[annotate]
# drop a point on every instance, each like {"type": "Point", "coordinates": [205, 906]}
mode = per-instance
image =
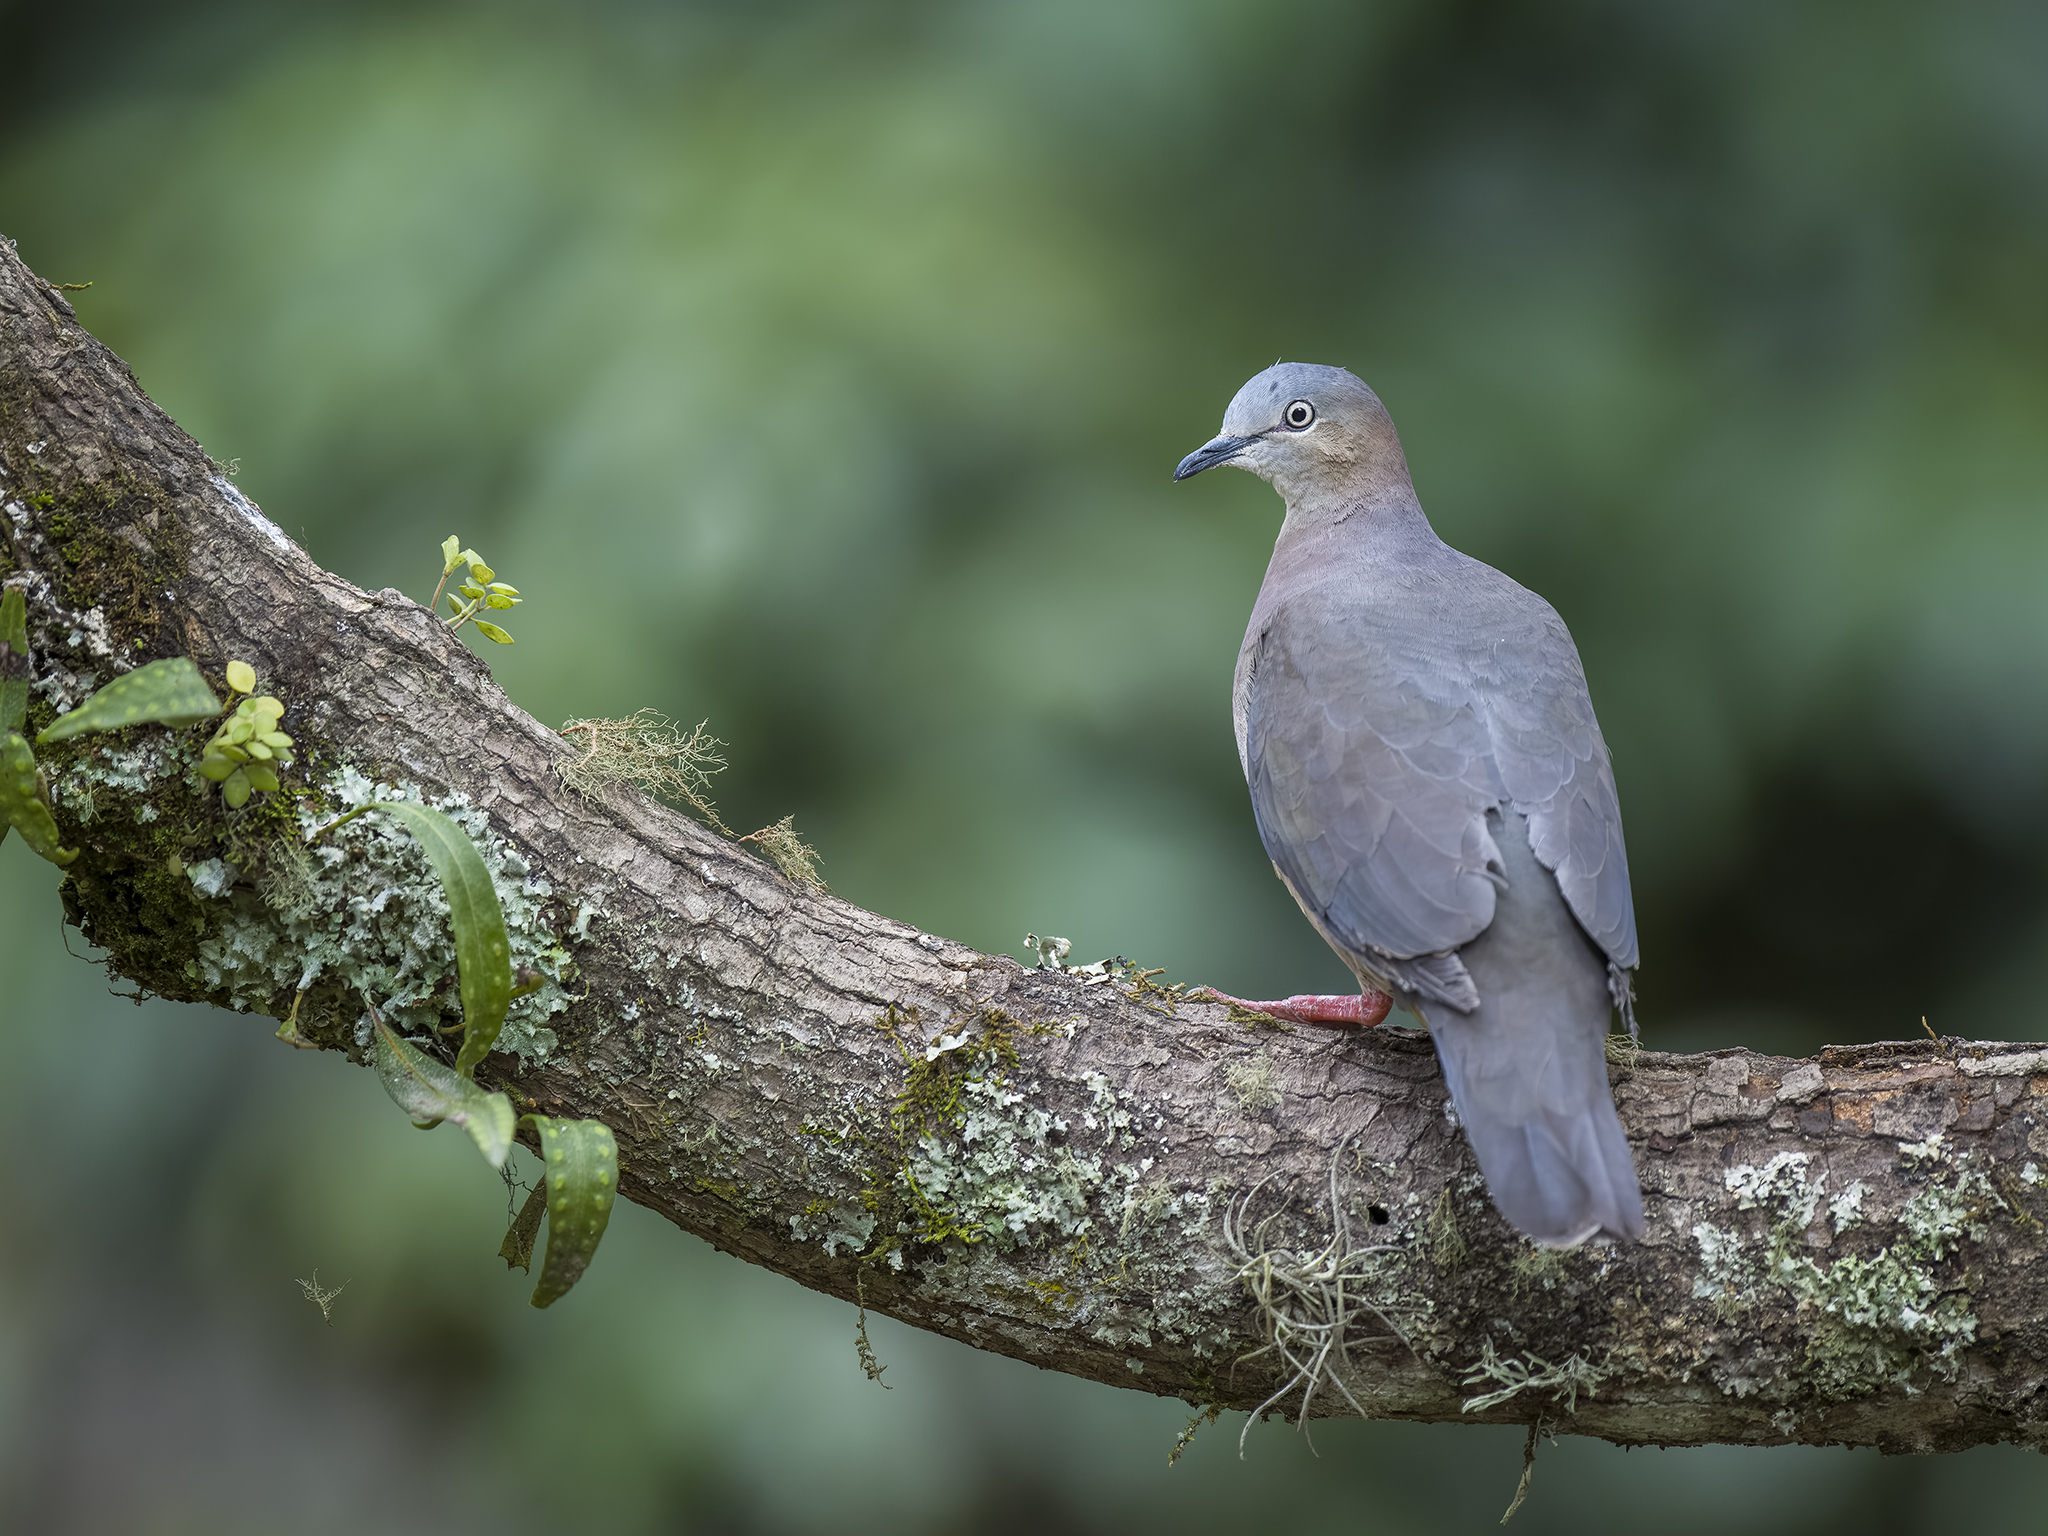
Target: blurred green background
{"type": "Point", "coordinates": [819, 370]}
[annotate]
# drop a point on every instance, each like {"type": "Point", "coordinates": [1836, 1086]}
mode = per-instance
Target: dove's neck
{"type": "Point", "coordinates": [1363, 522]}
{"type": "Point", "coordinates": [1363, 549]}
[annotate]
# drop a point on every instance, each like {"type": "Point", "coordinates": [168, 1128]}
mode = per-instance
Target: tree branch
{"type": "Point", "coordinates": [1079, 1171]}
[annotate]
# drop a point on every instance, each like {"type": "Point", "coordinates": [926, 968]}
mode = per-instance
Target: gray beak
{"type": "Point", "coordinates": [1219, 450]}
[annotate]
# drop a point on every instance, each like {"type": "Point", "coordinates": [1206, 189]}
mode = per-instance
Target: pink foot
{"type": "Point", "coordinates": [1336, 1011]}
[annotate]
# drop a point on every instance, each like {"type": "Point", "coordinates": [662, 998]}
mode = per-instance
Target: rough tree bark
{"type": "Point", "coordinates": [1075, 1171]}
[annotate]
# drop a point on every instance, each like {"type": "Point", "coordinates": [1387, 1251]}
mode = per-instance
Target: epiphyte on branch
{"type": "Point", "coordinates": [481, 590]}
{"type": "Point", "coordinates": [248, 749]}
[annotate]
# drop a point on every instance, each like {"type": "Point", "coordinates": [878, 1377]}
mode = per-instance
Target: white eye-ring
{"type": "Point", "coordinates": [1299, 414]}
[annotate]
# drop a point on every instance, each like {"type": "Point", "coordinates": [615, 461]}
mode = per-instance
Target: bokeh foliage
{"type": "Point", "coordinates": [830, 363]}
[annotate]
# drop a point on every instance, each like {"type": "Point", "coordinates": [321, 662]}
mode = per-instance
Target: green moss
{"type": "Point", "coordinates": [124, 577]}
{"type": "Point", "coordinates": [119, 539]}
{"type": "Point", "coordinates": [137, 900]}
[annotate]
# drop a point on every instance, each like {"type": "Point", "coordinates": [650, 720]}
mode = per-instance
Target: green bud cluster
{"type": "Point", "coordinates": [248, 749]}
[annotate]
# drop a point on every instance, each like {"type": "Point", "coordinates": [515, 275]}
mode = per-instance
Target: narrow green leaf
{"type": "Point", "coordinates": [483, 954]}
{"type": "Point", "coordinates": [14, 672]}
{"type": "Point", "coordinates": [169, 692]}
{"type": "Point", "coordinates": [517, 1249]}
{"type": "Point", "coordinates": [25, 803]}
{"type": "Point", "coordinates": [580, 1172]}
{"type": "Point", "coordinates": [451, 554]}
{"type": "Point", "coordinates": [492, 632]}
{"type": "Point", "coordinates": [431, 1092]}
{"type": "Point", "coordinates": [241, 677]}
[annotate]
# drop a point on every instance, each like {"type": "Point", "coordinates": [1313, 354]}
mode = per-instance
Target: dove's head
{"type": "Point", "coordinates": [1318, 434]}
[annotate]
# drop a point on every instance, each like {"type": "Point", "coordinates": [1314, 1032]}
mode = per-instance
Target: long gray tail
{"type": "Point", "coordinates": [1528, 1068]}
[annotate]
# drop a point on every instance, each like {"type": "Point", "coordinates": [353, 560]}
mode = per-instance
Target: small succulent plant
{"type": "Point", "coordinates": [248, 749]}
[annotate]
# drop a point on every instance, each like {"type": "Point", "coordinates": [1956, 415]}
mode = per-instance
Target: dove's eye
{"type": "Point", "coordinates": [1298, 414]}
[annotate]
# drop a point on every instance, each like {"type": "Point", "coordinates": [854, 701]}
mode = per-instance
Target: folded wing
{"type": "Point", "coordinates": [1373, 758]}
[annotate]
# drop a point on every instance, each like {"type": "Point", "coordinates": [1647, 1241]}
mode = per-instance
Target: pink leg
{"type": "Point", "coordinates": [1337, 1011]}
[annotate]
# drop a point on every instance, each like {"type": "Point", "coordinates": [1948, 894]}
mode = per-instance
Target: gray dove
{"type": "Point", "coordinates": [1432, 787]}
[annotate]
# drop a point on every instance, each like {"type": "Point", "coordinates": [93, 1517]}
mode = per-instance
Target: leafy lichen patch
{"type": "Point", "coordinates": [283, 927]}
{"type": "Point", "coordinates": [977, 1192]}
{"type": "Point", "coordinates": [996, 1175]}
{"type": "Point", "coordinates": [1875, 1318]}
{"type": "Point", "coordinates": [364, 914]}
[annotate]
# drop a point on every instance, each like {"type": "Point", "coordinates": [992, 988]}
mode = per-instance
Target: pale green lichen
{"type": "Point", "coordinates": [1106, 1111]}
{"type": "Point", "coordinates": [210, 877]}
{"type": "Point", "coordinates": [1877, 1318]}
{"type": "Point", "coordinates": [646, 751]}
{"type": "Point", "coordinates": [366, 908]}
{"type": "Point", "coordinates": [134, 768]}
{"type": "Point", "coordinates": [1846, 1209]}
{"type": "Point", "coordinates": [265, 917]}
{"type": "Point", "coordinates": [1145, 1205]}
{"type": "Point", "coordinates": [994, 1201]}
{"type": "Point", "coordinates": [797, 859]}
{"type": "Point", "coordinates": [998, 1173]}
{"type": "Point", "coordinates": [288, 882]}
